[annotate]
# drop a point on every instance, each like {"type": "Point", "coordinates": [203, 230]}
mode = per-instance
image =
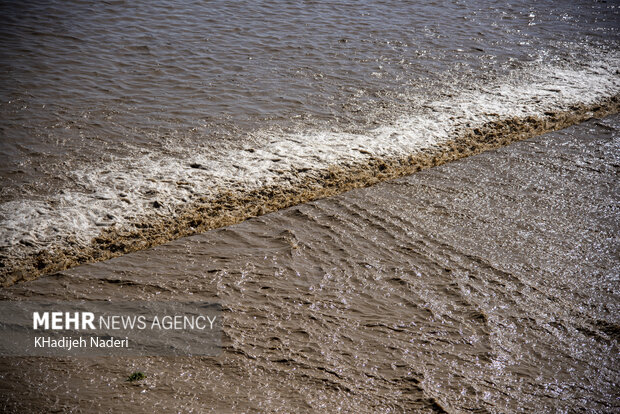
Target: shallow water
{"type": "Point", "coordinates": [110, 109]}
{"type": "Point", "coordinates": [487, 284]}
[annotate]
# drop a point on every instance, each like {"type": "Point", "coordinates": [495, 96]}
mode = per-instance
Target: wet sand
{"type": "Point", "coordinates": [489, 283]}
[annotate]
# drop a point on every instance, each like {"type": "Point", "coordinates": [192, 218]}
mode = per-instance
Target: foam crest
{"type": "Point", "coordinates": [149, 187]}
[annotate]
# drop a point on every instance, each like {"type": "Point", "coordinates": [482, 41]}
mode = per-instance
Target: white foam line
{"type": "Point", "coordinates": [28, 225]}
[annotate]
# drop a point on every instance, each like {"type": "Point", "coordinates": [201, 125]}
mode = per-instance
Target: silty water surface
{"type": "Point", "coordinates": [488, 285]}
{"type": "Point", "coordinates": [105, 107]}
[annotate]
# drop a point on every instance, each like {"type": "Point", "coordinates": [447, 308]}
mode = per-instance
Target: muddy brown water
{"type": "Point", "coordinates": [119, 119]}
{"type": "Point", "coordinates": [489, 284]}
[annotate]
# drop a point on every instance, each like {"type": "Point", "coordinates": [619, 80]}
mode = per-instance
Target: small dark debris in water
{"type": "Point", "coordinates": [195, 165]}
{"type": "Point", "coordinates": [136, 376]}
{"type": "Point", "coordinates": [157, 204]}
{"type": "Point", "coordinates": [343, 40]}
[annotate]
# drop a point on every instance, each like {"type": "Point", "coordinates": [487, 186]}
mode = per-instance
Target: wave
{"type": "Point", "coordinates": [144, 200]}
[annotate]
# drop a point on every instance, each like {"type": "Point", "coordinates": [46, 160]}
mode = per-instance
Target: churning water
{"type": "Point", "coordinates": [489, 284]}
{"type": "Point", "coordinates": [121, 120]}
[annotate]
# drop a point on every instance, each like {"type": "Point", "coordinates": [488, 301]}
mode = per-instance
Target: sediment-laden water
{"type": "Point", "coordinates": [489, 284]}
{"type": "Point", "coordinates": [124, 125]}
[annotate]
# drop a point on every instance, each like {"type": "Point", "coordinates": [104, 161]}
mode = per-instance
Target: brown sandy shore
{"type": "Point", "coordinates": [233, 207]}
{"type": "Point", "coordinates": [489, 284]}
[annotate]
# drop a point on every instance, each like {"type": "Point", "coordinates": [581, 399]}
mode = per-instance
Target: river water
{"type": "Point", "coordinates": [117, 114]}
{"type": "Point", "coordinates": [488, 285]}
